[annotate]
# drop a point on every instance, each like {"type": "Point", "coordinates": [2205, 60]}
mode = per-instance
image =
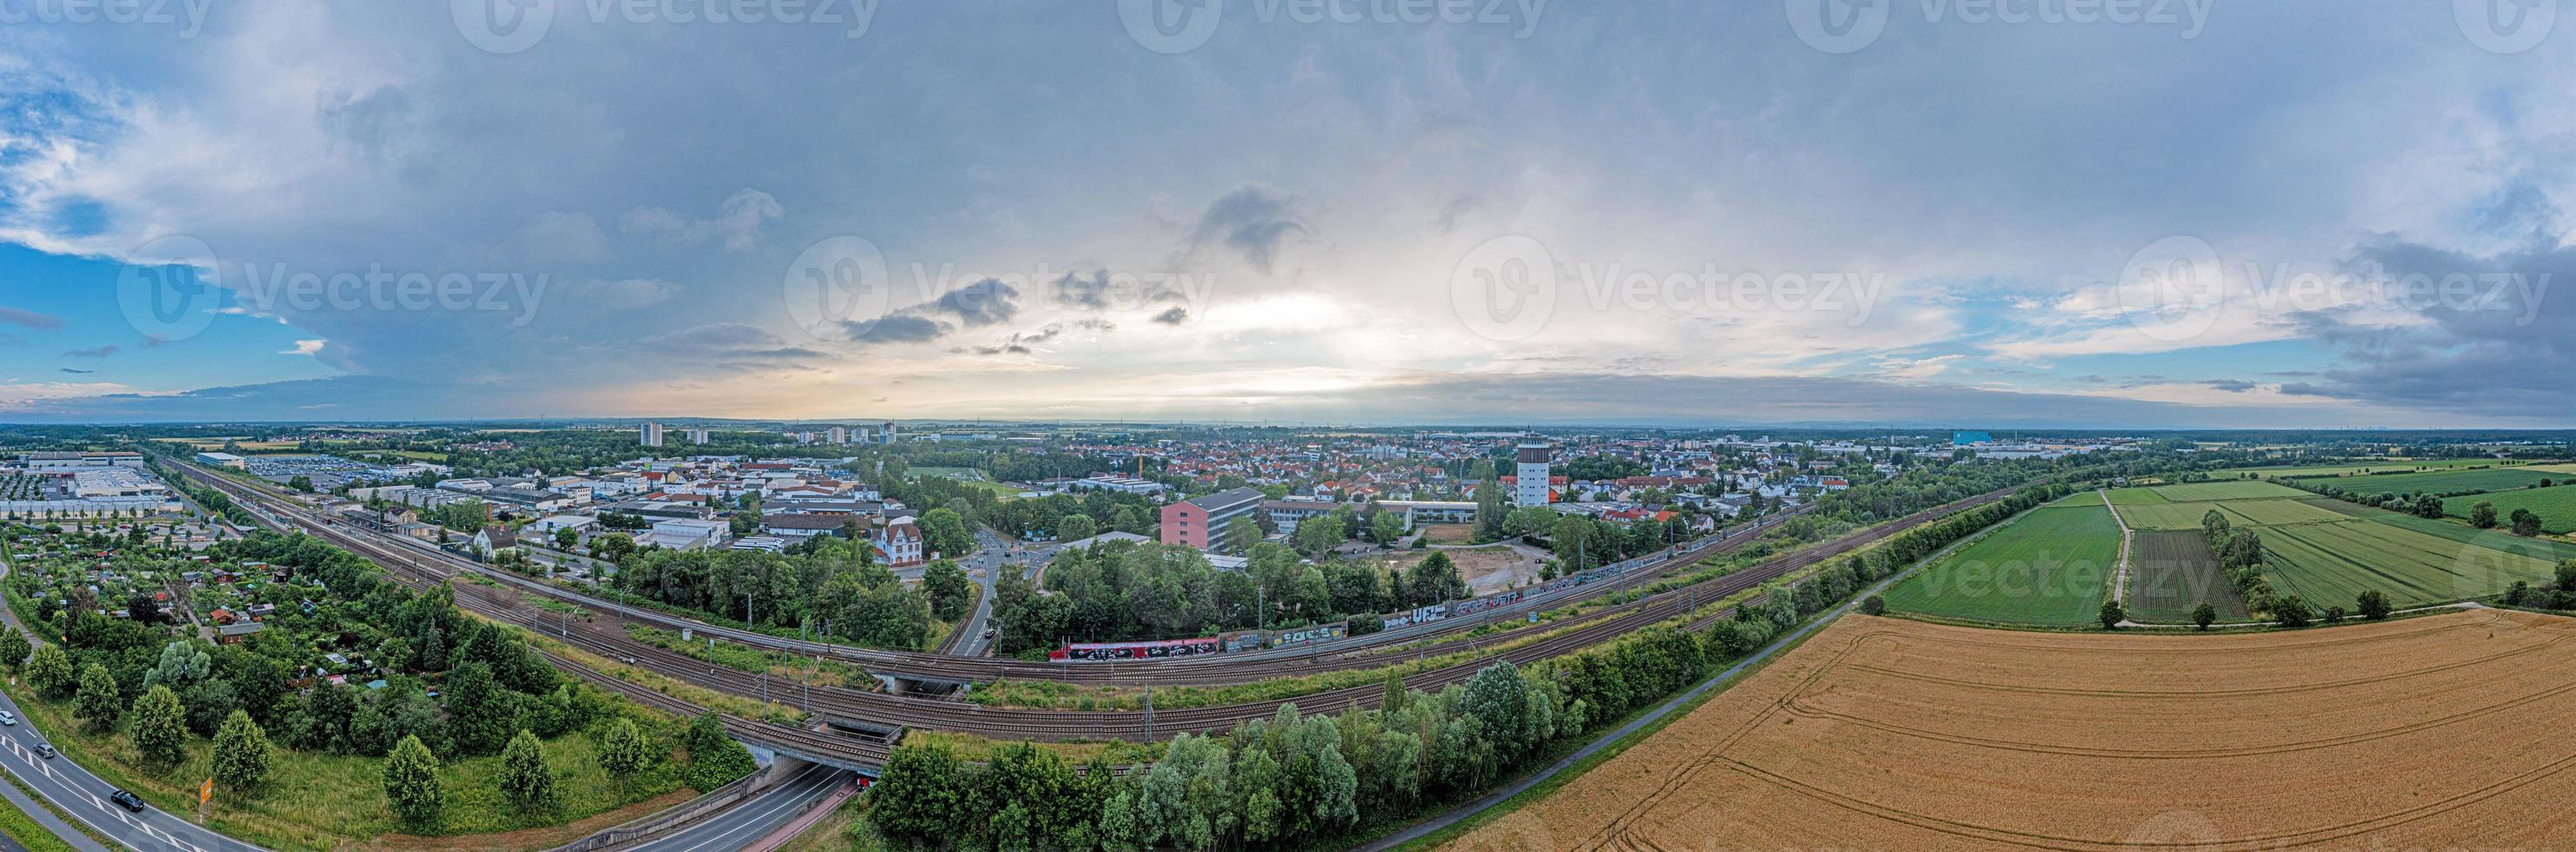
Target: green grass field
{"type": "Point", "coordinates": [2241, 489]}
{"type": "Point", "coordinates": [2455, 532]}
{"type": "Point", "coordinates": [2332, 564]}
{"type": "Point", "coordinates": [2050, 567]}
{"type": "Point", "coordinates": [2243, 513]}
{"type": "Point", "coordinates": [961, 474]}
{"type": "Point", "coordinates": [2380, 466]}
{"type": "Point", "coordinates": [2444, 482]}
{"type": "Point", "coordinates": [2080, 498]}
{"type": "Point", "coordinates": [2136, 497]}
{"type": "Point", "coordinates": [2556, 506]}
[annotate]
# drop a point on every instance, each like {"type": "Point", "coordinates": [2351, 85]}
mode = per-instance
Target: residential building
{"type": "Point", "coordinates": [900, 543]}
{"type": "Point", "coordinates": [1201, 521]}
{"type": "Point", "coordinates": [1530, 480]}
{"type": "Point", "coordinates": [652, 434]}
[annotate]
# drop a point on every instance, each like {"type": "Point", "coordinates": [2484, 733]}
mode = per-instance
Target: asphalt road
{"type": "Point", "coordinates": [990, 562]}
{"type": "Point", "coordinates": [752, 819]}
{"type": "Point", "coordinates": [84, 796]}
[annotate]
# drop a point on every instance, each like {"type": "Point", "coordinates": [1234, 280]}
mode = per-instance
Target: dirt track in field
{"type": "Point", "coordinates": [2437, 732]}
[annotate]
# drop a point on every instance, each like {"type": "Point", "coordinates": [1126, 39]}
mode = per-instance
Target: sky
{"type": "Point", "coordinates": [2171, 213]}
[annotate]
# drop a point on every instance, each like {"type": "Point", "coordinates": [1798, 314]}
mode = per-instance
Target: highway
{"type": "Point", "coordinates": [751, 819]}
{"type": "Point", "coordinates": [84, 796]}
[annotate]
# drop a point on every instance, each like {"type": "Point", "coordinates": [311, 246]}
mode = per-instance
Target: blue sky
{"type": "Point", "coordinates": [2240, 215]}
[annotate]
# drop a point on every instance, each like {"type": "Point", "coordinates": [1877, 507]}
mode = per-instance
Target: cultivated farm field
{"type": "Point", "coordinates": [2240, 489]}
{"type": "Point", "coordinates": [2332, 564]}
{"type": "Point", "coordinates": [1889, 734]}
{"type": "Point", "coordinates": [2172, 573]}
{"type": "Point", "coordinates": [2556, 506]}
{"type": "Point", "coordinates": [2457, 533]}
{"type": "Point", "coordinates": [2051, 566]}
{"type": "Point", "coordinates": [2243, 513]}
{"type": "Point", "coordinates": [2380, 466]}
{"type": "Point", "coordinates": [2444, 482]}
{"type": "Point", "coordinates": [2136, 497]}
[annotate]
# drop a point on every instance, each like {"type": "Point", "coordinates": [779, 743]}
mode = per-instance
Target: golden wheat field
{"type": "Point", "coordinates": [2440, 732]}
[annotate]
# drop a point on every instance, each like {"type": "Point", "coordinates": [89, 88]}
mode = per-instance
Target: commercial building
{"type": "Point", "coordinates": [1529, 483]}
{"type": "Point", "coordinates": [1199, 520]}
{"type": "Point", "coordinates": [222, 460]}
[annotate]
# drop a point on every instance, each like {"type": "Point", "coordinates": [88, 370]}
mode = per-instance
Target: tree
{"type": "Point", "coordinates": [241, 752]}
{"type": "Point", "coordinates": [2372, 605]}
{"type": "Point", "coordinates": [624, 750]}
{"type": "Point", "coordinates": [411, 783]}
{"type": "Point", "coordinates": [2112, 614]}
{"type": "Point", "coordinates": [1873, 605]}
{"type": "Point", "coordinates": [923, 792]}
{"type": "Point", "coordinates": [948, 588]}
{"type": "Point", "coordinates": [566, 537]}
{"type": "Point", "coordinates": [945, 532]}
{"type": "Point", "coordinates": [97, 700]}
{"type": "Point", "coordinates": [479, 711]}
{"type": "Point", "coordinates": [2525, 523]}
{"type": "Point", "coordinates": [1241, 535]}
{"type": "Point", "coordinates": [715, 758]}
{"type": "Point", "coordinates": [2483, 515]}
{"type": "Point", "coordinates": [1076, 527]}
{"type": "Point", "coordinates": [300, 482]}
{"type": "Point", "coordinates": [14, 648]}
{"type": "Point", "coordinates": [525, 778]}
{"type": "Point", "coordinates": [160, 726]}
{"type": "Point", "coordinates": [2290, 612]}
{"type": "Point", "coordinates": [49, 670]}
{"type": "Point", "coordinates": [1387, 526]}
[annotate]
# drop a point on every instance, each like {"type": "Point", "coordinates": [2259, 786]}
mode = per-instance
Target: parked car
{"type": "Point", "coordinates": [45, 750]}
{"type": "Point", "coordinates": [127, 800]}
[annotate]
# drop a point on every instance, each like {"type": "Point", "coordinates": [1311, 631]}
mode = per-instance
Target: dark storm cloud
{"type": "Point", "coordinates": [2499, 345]}
{"type": "Point", "coordinates": [1254, 221]}
{"type": "Point", "coordinates": [979, 304]}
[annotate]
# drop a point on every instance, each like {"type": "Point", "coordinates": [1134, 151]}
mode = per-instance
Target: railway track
{"type": "Point", "coordinates": [1368, 651]}
{"type": "Point", "coordinates": [891, 713]}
